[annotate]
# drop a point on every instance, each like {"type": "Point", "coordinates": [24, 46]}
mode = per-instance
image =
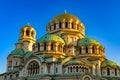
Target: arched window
{"type": "Point", "coordinates": [86, 49]}
{"type": "Point", "coordinates": [56, 69]}
{"type": "Point", "coordinates": [10, 76]}
{"type": "Point", "coordinates": [93, 49]}
{"type": "Point", "coordinates": [108, 71]}
{"type": "Point", "coordinates": [32, 33]}
{"type": "Point", "coordinates": [66, 24]}
{"type": "Point", "coordinates": [80, 50]}
{"type": "Point", "coordinates": [72, 25]}
{"type": "Point", "coordinates": [70, 69]}
{"type": "Point", "coordinates": [33, 68]}
{"type": "Point", "coordinates": [38, 46]}
{"type": "Point", "coordinates": [52, 46]}
{"type": "Point", "coordinates": [54, 26]}
{"type": "Point", "coordinates": [60, 24]}
{"type": "Point", "coordinates": [45, 46]}
{"type": "Point", "coordinates": [77, 69]}
{"type": "Point", "coordinates": [115, 72]}
{"type": "Point", "coordinates": [27, 32]}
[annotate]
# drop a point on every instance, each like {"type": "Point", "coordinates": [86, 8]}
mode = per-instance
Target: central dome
{"type": "Point", "coordinates": [65, 17]}
{"type": "Point", "coordinates": [67, 23]}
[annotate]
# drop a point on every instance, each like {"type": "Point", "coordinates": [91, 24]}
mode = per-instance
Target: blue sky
{"type": "Point", "coordinates": [100, 17]}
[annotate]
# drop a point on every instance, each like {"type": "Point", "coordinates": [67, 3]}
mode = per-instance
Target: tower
{"type": "Point", "coordinates": [27, 37]}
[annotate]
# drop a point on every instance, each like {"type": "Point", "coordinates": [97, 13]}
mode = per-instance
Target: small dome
{"type": "Point", "coordinates": [66, 17]}
{"type": "Point", "coordinates": [88, 41]}
{"type": "Point", "coordinates": [27, 26]}
{"type": "Point", "coordinates": [49, 38]}
{"type": "Point", "coordinates": [108, 63]}
{"type": "Point", "coordinates": [19, 52]}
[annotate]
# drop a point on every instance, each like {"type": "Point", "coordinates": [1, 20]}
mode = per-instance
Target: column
{"type": "Point", "coordinates": [49, 46]}
{"type": "Point", "coordinates": [93, 69]}
{"type": "Point", "coordinates": [90, 49]}
{"type": "Point", "coordinates": [98, 69]}
{"type": "Point", "coordinates": [56, 46]}
{"type": "Point", "coordinates": [97, 49]}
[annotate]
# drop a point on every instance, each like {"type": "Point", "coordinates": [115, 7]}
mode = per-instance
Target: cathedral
{"type": "Point", "coordinates": [63, 53]}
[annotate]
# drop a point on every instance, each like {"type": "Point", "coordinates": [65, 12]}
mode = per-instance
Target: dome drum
{"type": "Point", "coordinates": [91, 47]}
{"type": "Point", "coordinates": [50, 44]}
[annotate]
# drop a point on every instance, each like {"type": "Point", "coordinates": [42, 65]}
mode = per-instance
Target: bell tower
{"type": "Point", "coordinates": [27, 37]}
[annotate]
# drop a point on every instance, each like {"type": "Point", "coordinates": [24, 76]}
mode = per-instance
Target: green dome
{"type": "Point", "coordinates": [19, 52]}
{"type": "Point", "coordinates": [65, 16]}
{"type": "Point", "coordinates": [88, 41]}
{"type": "Point", "coordinates": [108, 63]}
{"type": "Point", "coordinates": [73, 62]}
{"type": "Point", "coordinates": [49, 38]}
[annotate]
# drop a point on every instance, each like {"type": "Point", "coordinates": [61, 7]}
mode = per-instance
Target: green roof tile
{"type": "Point", "coordinates": [41, 58]}
{"type": "Point", "coordinates": [88, 41]}
{"type": "Point", "coordinates": [27, 55]}
{"type": "Point", "coordinates": [73, 62]}
{"type": "Point", "coordinates": [19, 52]}
{"type": "Point", "coordinates": [108, 63]}
{"type": "Point", "coordinates": [49, 37]}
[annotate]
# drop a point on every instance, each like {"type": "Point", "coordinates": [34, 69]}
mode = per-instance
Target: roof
{"type": "Point", "coordinates": [73, 62]}
{"type": "Point", "coordinates": [65, 16]}
{"type": "Point", "coordinates": [41, 58]}
{"type": "Point", "coordinates": [108, 63]}
{"type": "Point", "coordinates": [88, 41]}
{"type": "Point", "coordinates": [48, 38]}
{"type": "Point", "coordinates": [27, 55]}
{"type": "Point", "coordinates": [19, 52]}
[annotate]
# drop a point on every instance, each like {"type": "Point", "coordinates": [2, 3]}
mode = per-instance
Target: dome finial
{"type": "Point", "coordinates": [28, 24]}
{"type": "Point", "coordinates": [65, 11]}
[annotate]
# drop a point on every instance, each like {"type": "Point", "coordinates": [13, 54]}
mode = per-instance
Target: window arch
{"type": "Point", "coordinates": [52, 46]}
{"type": "Point", "coordinates": [27, 33]}
{"type": "Point", "coordinates": [108, 71]}
{"type": "Point", "coordinates": [33, 68]}
{"type": "Point", "coordinates": [66, 24]}
{"type": "Point", "coordinates": [54, 26]}
{"type": "Point", "coordinates": [115, 72]}
{"type": "Point", "coordinates": [45, 46]}
{"type": "Point", "coordinates": [38, 46]}
{"type": "Point", "coordinates": [76, 68]}
{"type": "Point", "coordinates": [93, 49]}
{"type": "Point", "coordinates": [86, 49]}
{"type": "Point", "coordinates": [72, 25]}
{"type": "Point", "coordinates": [70, 69]}
{"type": "Point", "coordinates": [60, 24]}
{"type": "Point", "coordinates": [80, 50]}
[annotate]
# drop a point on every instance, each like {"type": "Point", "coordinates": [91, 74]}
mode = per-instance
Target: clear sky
{"type": "Point", "coordinates": [100, 17]}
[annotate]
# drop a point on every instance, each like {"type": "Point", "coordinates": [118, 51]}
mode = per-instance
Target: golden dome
{"type": "Point", "coordinates": [27, 33]}
{"type": "Point", "coordinates": [66, 17]}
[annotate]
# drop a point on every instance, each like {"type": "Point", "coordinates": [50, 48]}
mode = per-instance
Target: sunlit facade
{"type": "Point", "coordinates": [63, 53]}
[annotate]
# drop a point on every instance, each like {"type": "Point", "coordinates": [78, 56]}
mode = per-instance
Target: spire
{"type": "Point", "coordinates": [28, 24]}
{"type": "Point", "coordinates": [65, 11]}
